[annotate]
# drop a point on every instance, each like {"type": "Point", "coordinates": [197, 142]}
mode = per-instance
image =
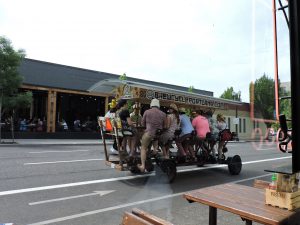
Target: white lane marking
{"type": "Point", "coordinates": [71, 184]}
{"type": "Point", "coordinates": [101, 193]}
{"type": "Point", "coordinates": [81, 160]}
{"type": "Point", "coordinates": [59, 151]}
{"type": "Point", "coordinates": [267, 160]}
{"type": "Point", "coordinates": [75, 216]}
{"type": "Point", "coordinates": [233, 145]}
{"type": "Point", "coordinates": [264, 149]}
{"type": "Point", "coordinates": [119, 178]}
{"type": "Point", "coordinates": [207, 166]}
{"type": "Point", "coordinates": [57, 220]}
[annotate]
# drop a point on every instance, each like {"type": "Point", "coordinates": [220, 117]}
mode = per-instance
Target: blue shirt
{"type": "Point", "coordinates": [185, 125]}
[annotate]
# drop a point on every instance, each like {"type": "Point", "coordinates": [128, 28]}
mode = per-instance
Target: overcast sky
{"type": "Point", "coordinates": [210, 45]}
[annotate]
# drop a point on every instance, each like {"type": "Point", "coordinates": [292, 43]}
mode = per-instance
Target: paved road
{"type": "Point", "coordinates": [69, 184]}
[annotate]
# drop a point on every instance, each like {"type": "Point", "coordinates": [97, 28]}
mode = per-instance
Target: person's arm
{"type": "Point", "coordinates": [139, 120]}
{"type": "Point", "coordinates": [168, 122]}
{"type": "Point", "coordinates": [194, 123]}
{"type": "Point", "coordinates": [129, 121]}
{"type": "Point", "coordinates": [143, 123]}
{"type": "Point", "coordinates": [220, 126]}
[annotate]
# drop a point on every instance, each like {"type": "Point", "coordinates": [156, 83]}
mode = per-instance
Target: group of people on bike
{"type": "Point", "coordinates": [175, 124]}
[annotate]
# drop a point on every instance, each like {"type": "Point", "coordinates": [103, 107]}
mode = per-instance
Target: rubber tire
{"type": "Point", "coordinates": [234, 165]}
{"type": "Point", "coordinates": [169, 168]}
{"type": "Point", "coordinates": [171, 171]}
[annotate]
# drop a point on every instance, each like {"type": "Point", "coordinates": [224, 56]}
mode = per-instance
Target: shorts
{"type": "Point", "coordinates": [146, 140]}
{"type": "Point", "coordinates": [165, 138]}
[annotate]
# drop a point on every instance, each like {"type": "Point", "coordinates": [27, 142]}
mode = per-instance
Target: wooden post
{"type": "Point", "coordinates": [248, 222]}
{"type": "Point", "coordinates": [51, 111]}
{"type": "Point", "coordinates": [106, 105]}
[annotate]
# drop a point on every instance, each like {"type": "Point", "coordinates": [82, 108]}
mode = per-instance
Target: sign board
{"type": "Point", "coordinates": [236, 121]}
{"type": "Point", "coordinates": [145, 95]}
{"type": "Point", "coordinates": [182, 99]}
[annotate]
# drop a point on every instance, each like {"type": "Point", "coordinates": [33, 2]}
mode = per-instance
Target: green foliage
{"type": "Point", "coordinates": [264, 97]}
{"type": "Point", "coordinates": [230, 94]}
{"type": "Point", "coordinates": [191, 89]}
{"type": "Point", "coordinates": [130, 104]}
{"type": "Point", "coordinates": [275, 126]}
{"type": "Point", "coordinates": [123, 77]}
{"type": "Point", "coordinates": [10, 80]}
{"type": "Point", "coordinates": [188, 112]}
{"type": "Point", "coordinates": [286, 108]}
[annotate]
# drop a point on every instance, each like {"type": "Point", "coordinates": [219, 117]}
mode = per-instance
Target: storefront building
{"type": "Point", "coordinates": [64, 94]}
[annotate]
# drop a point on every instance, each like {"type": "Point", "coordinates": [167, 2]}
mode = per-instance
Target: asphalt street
{"type": "Point", "coordinates": [70, 184]}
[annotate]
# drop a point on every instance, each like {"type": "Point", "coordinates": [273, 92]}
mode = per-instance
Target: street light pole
{"type": "Point", "coordinates": [234, 94]}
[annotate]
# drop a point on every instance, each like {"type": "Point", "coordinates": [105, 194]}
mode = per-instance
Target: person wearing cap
{"type": "Point", "coordinates": [172, 124]}
{"type": "Point", "coordinates": [135, 116]}
{"type": "Point", "coordinates": [153, 119]}
{"type": "Point", "coordinates": [186, 132]}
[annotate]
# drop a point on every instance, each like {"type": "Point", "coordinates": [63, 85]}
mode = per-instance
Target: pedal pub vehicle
{"type": "Point", "coordinates": [143, 94]}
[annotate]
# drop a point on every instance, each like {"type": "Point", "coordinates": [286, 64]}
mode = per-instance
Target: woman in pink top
{"type": "Point", "coordinates": [201, 125]}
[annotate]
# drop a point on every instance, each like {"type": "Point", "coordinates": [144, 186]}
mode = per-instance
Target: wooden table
{"type": "Point", "coordinates": [247, 202]}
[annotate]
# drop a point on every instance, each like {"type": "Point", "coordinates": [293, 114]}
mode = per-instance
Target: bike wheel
{"type": "Point", "coordinates": [234, 164]}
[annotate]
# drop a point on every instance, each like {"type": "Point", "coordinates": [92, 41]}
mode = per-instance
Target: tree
{"type": "Point", "coordinates": [229, 93]}
{"type": "Point", "coordinates": [286, 107]}
{"type": "Point", "coordinates": [123, 77]}
{"type": "Point", "coordinates": [10, 79]}
{"type": "Point", "coordinates": [191, 89]}
{"type": "Point", "coordinates": [264, 97]}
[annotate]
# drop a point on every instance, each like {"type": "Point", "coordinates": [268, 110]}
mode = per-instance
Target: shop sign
{"type": "Point", "coordinates": [150, 94]}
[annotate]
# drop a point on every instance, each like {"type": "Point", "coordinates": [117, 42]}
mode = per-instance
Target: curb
{"type": "Point", "coordinates": [18, 144]}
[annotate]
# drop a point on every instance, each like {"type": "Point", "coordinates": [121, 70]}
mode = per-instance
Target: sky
{"type": "Point", "coordinates": [210, 45]}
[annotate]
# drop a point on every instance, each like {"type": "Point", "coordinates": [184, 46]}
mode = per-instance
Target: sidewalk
{"type": "Point", "coordinates": [20, 142]}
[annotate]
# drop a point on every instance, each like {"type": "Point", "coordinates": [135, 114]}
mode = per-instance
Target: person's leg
{"type": "Point", "coordinates": [132, 145]}
{"type": "Point", "coordinates": [146, 139]}
{"type": "Point", "coordinates": [129, 144]}
{"type": "Point", "coordinates": [167, 149]}
{"type": "Point", "coordinates": [155, 147]}
{"type": "Point", "coordinates": [191, 150]}
{"type": "Point", "coordinates": [180, 147]}
{"type": "Point", "coordinates": [124, 144]}
{"type": "Point", "coordinates": [220, 147]}
{"type": "Point", "coordinates": [138, 140]}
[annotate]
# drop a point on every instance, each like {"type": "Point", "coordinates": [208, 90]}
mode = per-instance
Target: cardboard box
{"type": "Point", "coordinates": [284, 200]}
